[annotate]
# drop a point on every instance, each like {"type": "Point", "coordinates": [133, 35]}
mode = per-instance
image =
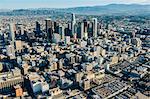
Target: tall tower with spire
{"type": "Point", "coordinates": [94, 27]}
{"type": "Point", "coordinates": [73, 22]}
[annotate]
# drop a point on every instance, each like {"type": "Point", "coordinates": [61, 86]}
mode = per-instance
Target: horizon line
{"type": "Point", "coordinates": [73, 6]}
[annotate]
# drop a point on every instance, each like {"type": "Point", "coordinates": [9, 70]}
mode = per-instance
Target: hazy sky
{"type": "Point", "coordinates": [13, 4]}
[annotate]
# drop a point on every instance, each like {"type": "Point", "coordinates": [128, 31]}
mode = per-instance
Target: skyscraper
{"type": "Point", "coordinates": [94, 27]}
{"type": "Point", "coordinates": [56, 27]}
{"type": "Point", "coordinates": [62, 32]}
{"type": "Point", "coordinates": [2, 40]}
{"type": "Point", "coordinates": [85, 25]}
{"type": "Point", "coordinates": [73, 22]}
{"type": "Point", "coordinates": [22, 29]}
{"type": "Point", "coordinates": [73, 18]}
{"type": "Point", "coordinates": [85, 28]}
{"type": "Point", "coordinates": [49, 29]}
{"type": "Point", "coordinates": [38, 27]}
{"type": "Point", "coordinates": [10, 51]}
{"type": "Point", "coordinates": [12, 33]}
{"type": "Point", "coordinates": [80, 32]}
{"type": "Point", "coordinates": [48, 24]}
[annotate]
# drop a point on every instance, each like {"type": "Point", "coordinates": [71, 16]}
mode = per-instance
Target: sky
{"type": "Point", "coordinates": [17, 4]}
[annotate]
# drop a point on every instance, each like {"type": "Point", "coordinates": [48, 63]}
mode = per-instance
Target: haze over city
{"type": "Point", "coordinates": [18, 4]}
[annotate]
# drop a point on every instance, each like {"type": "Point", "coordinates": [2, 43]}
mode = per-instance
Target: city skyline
{"type": "Point", "coordinates": [74, 49]}
{"type": "Point", "coordinates": [17, 4]}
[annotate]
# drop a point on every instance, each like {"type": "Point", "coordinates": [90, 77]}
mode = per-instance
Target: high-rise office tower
{"type": "Point", "coordinates": [12, 33]}
{"type": "Point", "coordinates": [48, 24]}
{"type": "Point", "coordinates": [85, 25]}
{"type": "Point", "coordinates": [49, 29]}
{"type": "Point", "coordinates": [90, 29]}
{"type": "Point", "coordinates": [69, 26]}
{"type": "Point", "coordinates": [12, 46]}
{"type": "Point", "coordinates": [62, 32]}
{"type": "Point", "coordinates": [56, 38]}
{"type": "Point", "coordinates": [85, 28]}
{"type": "Point", "coordinates": [75, 32]}
{"type": "Point", "coordinates": [80, 32]}
{"type": "Point", "coordinates": [50, 34]}
{"type": "Point", "coordinates": [38, 27]}
{"type": "Point", "coordinates": [73, 18]}
{"type": "Point", "coordinates": [94, 27]}
{"type": "Point", "coordinates": [22, 29]}
{"type": "Point", "coordinates": [133, 35]}
{"type": "Point", "coordinates": [56, 27]}
{"type": "Point", "coordinates": [73, 22]}
{"type": "Point", "coordinates": [2, 39]}
{"type": "Point", "coordinates": [10, 51]}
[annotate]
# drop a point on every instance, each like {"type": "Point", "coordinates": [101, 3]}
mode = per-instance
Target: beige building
{"type": "Point", "coordinates": [86, 84]}
{"type": "Point", "coordinates": [10, 79]}
{"type": "Point", "coordinates": [79, 76]}
{"type": "Point", "coordinates": [55, 92]}
{"type": "Point", "coordinates": [114, 60]}
{"type": "Point", "coordinates": [18, 45]}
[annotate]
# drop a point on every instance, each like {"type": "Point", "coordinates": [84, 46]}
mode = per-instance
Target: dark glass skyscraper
{"type": "Point", "coordinates": [49, 29]}
{"type": "Point", "coordinates": [38, 27]}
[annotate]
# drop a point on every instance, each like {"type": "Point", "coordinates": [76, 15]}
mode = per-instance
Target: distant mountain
{"type": "Point", "coordinates": [111, 9]}
{"type": "Point", "coordinates": [4, 10]}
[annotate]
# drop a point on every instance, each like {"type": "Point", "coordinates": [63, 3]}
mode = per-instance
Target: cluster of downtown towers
{"type": "Point", "coordinates": [74, 30]}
